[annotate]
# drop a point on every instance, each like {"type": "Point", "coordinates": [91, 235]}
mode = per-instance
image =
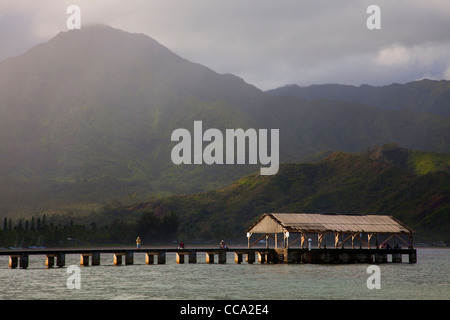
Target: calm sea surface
{"type": "Point", "coordinates": [428, 279]}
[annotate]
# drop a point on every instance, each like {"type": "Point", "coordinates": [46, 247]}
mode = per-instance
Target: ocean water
{"type": "Point", "coordinates": [428, 279]}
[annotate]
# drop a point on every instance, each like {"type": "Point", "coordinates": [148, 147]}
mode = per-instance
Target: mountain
{"type": "Point", "coordinates": [418, 96]}
{"type": "Point", "coordinates": [87, 118]}
{"type": "Point", "coordinates": [384, 180]}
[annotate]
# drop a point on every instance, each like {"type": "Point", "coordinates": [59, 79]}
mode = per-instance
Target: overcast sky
{"type": "Point", "coordinates": [266, 42]}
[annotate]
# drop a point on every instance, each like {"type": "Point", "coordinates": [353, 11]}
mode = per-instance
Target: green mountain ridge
{"type": "Point", "coordinates": [419, 96]}
{"type": "Point", "coordinates": [386, 180]}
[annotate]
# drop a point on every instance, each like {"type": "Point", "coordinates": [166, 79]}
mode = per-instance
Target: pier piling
{"type": "Point", "coordinates": [222, 255]}
{"type": "Point", "coordinates": [23, 261]}
{"type": "Point", "coordinates": [413, 257]}
{"type": "Point", "coordinates": [150, 257]}
{"type": "Point", "coordinates": [250, 257]}
{"type": "Point", "coordinates": [238, 257]}
{"type": "Point", "coordinates": [49, 260]}
{"type": "Point", "coordinates": [95, 259]}
{"type": "Point", "coordinates": [192, 256]}
{"type": "Point", "coordinates": [180, 257]}
{"type": "Point", "coordinates": [129, 258]}
{"type": "Point", "coordinates": [262, 257]}
{"type": "Point", "coordinates": [18, 261]}
{"type": "Point", "coordinates": [60, 259]}
{"type": "Point", "coordinates": [84, 259]}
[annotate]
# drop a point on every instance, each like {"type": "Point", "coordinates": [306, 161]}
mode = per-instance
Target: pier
{"type": "Point", "coordinates": [92, 257]}
{"type": "Point", "coordinates": [303, 227]}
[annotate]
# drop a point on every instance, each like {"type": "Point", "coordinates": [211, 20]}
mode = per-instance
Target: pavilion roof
{"type": "Point", "coordinates": [320, 223]}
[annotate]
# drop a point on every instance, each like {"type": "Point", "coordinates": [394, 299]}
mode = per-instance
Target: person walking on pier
{"type": "Point", "coordinates": [138, 243]}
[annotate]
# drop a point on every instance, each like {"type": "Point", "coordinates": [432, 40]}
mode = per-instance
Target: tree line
{"type": "Point", "coordinates": [36, 232]}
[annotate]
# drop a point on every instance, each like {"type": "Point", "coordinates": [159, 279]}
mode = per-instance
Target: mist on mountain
{"type": "Point", "coordinates": [87, 117]}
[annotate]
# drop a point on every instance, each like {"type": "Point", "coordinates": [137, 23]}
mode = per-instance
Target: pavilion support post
{"type": "Point", "coordinates": [319, 239]}
{"type": "Point", "coordinates": [410, 240]}
{"type": "Point", "coordinates": [336, 239]}
{"type": "Point", "coordinates": [286, 239]}
{"type": "Point", "coordinates": [302, 241]}
{"type": "Point", "coordinates": [362, 241]}
{"type": "Point", "coordinates": [353, 240]}
{"type": "Point", "coordinates": [369, 236]}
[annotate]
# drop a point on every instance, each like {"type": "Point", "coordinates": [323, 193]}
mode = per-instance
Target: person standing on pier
{"type": "Point", "coordinates": [138, 243]}
{"type": "Point", "coordinates": [223, 245]}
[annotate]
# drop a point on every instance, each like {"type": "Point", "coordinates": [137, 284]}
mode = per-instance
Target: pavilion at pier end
{"type": "Point", "coordinates": [333, 238]}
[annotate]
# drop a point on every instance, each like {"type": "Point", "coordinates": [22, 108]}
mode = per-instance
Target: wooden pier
{"type": "Point", "coordinates": [57, 257]}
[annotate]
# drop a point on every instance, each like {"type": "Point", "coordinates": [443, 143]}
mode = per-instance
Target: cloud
{"type": "Point", "coordinates": [268, 43]}
{"type": "Point", "coordinates": [396, 55]}
{"type": "Point", "coordinates": [447, 73]}
{"type": "Point", "coordinates": [428, 60]}
{"type": "Point", "coordinates": [19, 26]}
